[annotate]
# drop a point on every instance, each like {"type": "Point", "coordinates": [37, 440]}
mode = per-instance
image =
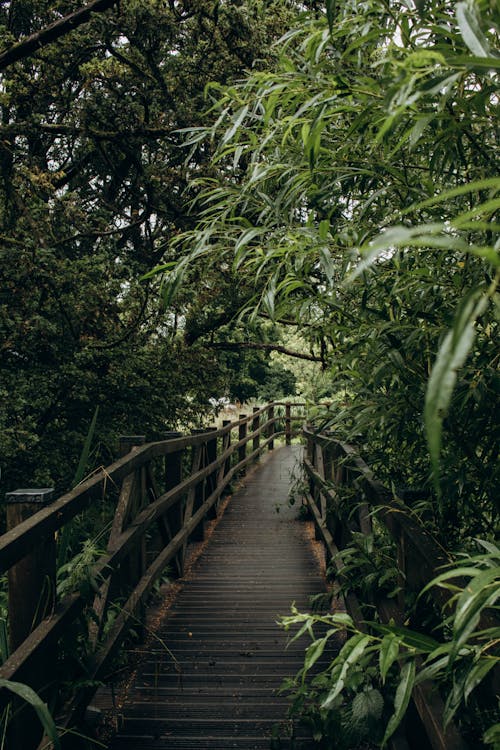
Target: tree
{"type": "Point", "coordinates": [357, 188]}
{"type": "Point", "coordinates": [91, 189]}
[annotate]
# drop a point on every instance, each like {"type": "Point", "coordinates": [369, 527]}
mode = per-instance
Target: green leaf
{"type": "Point", "coordinates": [489, 183]}
{"type": "Point", "coordinates": [408, 638]}
{"type": "Point", "coordinates": [481, 592]}
{"type": "Point", "coordinates": [314, 651]}
{"type": "Point", "coordinates": [481, 63]}
{"type": "Point", "coordinates": [84, 457]}
{"type": "Point", "coordinates": [451, 356]}
{"type": "Point", "coordinates": [492, 736]}
{"type": "Point", "coordinates": [350, 653]}
{"type": "Point", "coordinates": [327, 263]}
{"type": "Point", "coordinates": [367, 706]}
{"type": "Point", "coordinates": [389, 652]}
{"type": "Point", "coordinates": [28, 694]}
{"type": "Point", "coordinates": [323, 230]}
{"type": "Point", "coordinates": [237, 120]}
{"type": "Point", "coordinates": [330, 13]}
{"type": "Point", "coordinates": [342, 618]}
{"type": "Point", "coordinates": [470, 28]}
{"type": "Point", "coordinates": [401, 700]}
{"type": "Point", "coordinates": [477, 674]}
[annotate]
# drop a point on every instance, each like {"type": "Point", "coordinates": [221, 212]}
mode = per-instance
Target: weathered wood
{"type": "Point", "coordinates": [211, 455]}
{"type": "Point", "coordinates": [17, 666]}
{"type": "Point", "coordinates": [288, 424]}
{"type": "Point", "coordinates": [125, 537]}
{"type": "Point", "coordinates": [32, 581]}
{"type": "Point", "coordinates": [272, 429]}
{"type": "Point", "coordinates": [101, 601]}
{"type": "Point", "coordinates": [335, 559]}
{"type": "Point", "coordinates": [31, 597]}
{"type": "Point", "coordinates": [226, 446]}
{"type": "Point", "coordinates": [127, 442]}
{"type": "Point", "coordinates": [242, 437]}
{"type": "Point", "coordinates": [220, 694]}
{"type": "Point", "coordinates": [131, 570]}
{"type": "Point", "coordinates": [428, 702]}
{"type": "Point", "coordinates": [175, 516]}
{"type": "Point", "coordinates": [255, 428]}
{"type": "Point", "coordinates": [427, 555]}
{"type": "Point", "coordinates": [19, 541]}
{"type": "Point", "coordinates": [320, 465]}
{"type": "Point", "coordinates": [102, 659]}
{"type": "Point", "coordinates": [197, 493]}
{"type": "Point", "coordinates": [409, 535]}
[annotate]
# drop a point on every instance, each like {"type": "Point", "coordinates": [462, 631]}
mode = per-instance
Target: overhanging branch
{"type": "Point", "coordinates": [53, 31]}
{"type": "Point", "coordinates": [236, 345]}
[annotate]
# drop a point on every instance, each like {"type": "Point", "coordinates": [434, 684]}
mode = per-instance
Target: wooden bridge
{"type": "Point", "coordinates": [209, 675]}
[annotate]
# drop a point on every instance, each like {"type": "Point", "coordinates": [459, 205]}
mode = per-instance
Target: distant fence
{"type": "Point", "coordinates": [165, 492]}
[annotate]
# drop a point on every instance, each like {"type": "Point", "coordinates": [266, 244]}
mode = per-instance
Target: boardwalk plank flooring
{"type": "Point", "coordinates": [230, 654]}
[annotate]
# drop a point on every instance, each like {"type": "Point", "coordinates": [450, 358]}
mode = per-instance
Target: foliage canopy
{"type": "Point", "coordinates": [358, 185]}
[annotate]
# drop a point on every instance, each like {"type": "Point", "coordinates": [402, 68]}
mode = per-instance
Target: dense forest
{"type": "Point", "coordinates": [194, 195]}
{"type": "Point", "coordinates": [93, 181]}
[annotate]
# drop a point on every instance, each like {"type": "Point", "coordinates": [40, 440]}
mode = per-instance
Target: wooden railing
{"type": "Point", "coordinates": [331, 468]}
{"type": "Point", "coordinates": [165, 491]}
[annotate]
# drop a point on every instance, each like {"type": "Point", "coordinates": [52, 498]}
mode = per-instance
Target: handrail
{"type": "Point", "coordinates": [14, 544]}
{"type": "Point", "coordinates": [327, 464]}
{"type": "Point", "coordinates": [178, 512]}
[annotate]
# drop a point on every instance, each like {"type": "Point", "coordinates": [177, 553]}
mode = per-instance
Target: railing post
{"type": "Point", "coordinates": [127, 442]}
{"type": "Point", "coordinates": [271, 427]}
{"type": "Point", "coordinates": [32, 593]}
{"type": "Point", "coordinates": [242, 450]}
{"type": "Point", "coordinates": [212, 478]}
{"type": "Point", "coordinates": [32, 579]}
{"type": "Point", "coordinates": [173, 477]}
{"type": "Point", "coordinates": [316, 495]}
{"type": "Point", "coordinates": [198, 533]}
{"type": "Point", "coordinates": [226, 444]}
{"type": "Point", "coordinates": [288, 423]}
{"type": "Point", "coordinates": [137, 560]}
{"type": "Point", "coordinates": [255, 426]}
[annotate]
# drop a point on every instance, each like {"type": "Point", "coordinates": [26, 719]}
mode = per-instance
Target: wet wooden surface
{"type": "Point", "coordinates": [210, 676]}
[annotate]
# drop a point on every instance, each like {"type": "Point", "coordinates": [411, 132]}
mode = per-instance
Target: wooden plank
{"type": "Point", "coordinates": [320, 468]}
{"type": "Point", "coordinates": [16, 543]}
{"type": "Point", "coordinates": [17, 666]}
{"type": "Point", "coordinates": [220, 693]}
{"type": "Point", "coordinates": [195, 467]}
{"type": "Point", "coordinates": [335, 558]}
{"type": "Point", "coordinates": [101, 661]}
{"type": "Point", "coordinates": [122, 512]}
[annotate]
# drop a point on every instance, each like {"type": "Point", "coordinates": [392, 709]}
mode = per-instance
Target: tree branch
{"type": "Point", "coordinates": [56, 129]}
{"type": "Point", "coordinates": [52, 32]}
{"type": "Point", "coordinates": [235, 345]}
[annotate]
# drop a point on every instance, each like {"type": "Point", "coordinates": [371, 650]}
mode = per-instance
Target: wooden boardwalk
{"type": "Point", "coordinates": [213, 685]}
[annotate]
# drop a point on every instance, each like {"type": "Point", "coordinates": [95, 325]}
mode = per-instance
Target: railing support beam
{"type": "Point", "coordinates": [288, 423]}
{"type": "Point", "coordinates": [32, 595]}
{"type": "Point", "coordinates": [242, 450]}
{"type": "Point", "coordinates": [271, 428]}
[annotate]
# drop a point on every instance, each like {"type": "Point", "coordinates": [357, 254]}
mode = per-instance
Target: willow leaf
{"type": "Point", "coordinates": [470, 28]}
{"type": "Point", "coordinates": [389, 652]}
{"type": "Point", "coordinates": [451, 356]}
{"type": "Point", "coordinates": [401, 700]}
